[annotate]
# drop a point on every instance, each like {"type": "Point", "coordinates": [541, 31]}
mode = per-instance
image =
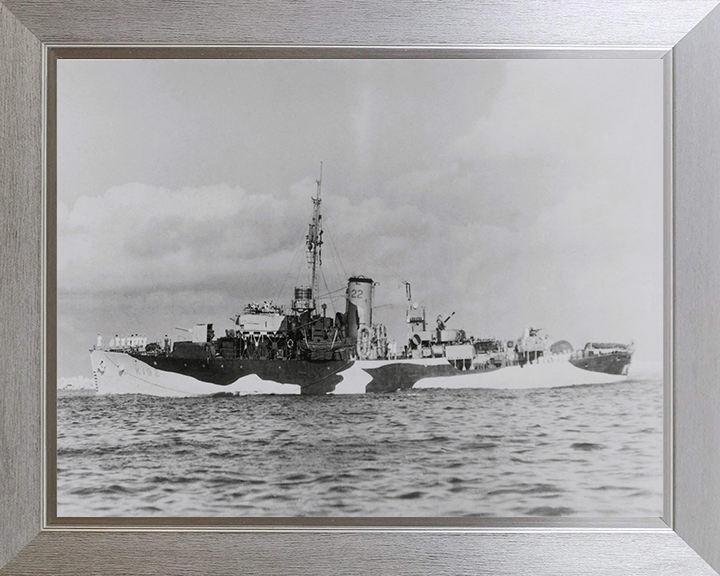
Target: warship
{"type": "Point", "coordinates": [303, 350]}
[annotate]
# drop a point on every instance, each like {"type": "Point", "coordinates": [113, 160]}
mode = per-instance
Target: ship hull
{"type": "Point", "coordinates": [123, 373]}
{"type": "Point", "coordinates": [616, 363]}
{"type": "Point", "coordinates": [548, 372]}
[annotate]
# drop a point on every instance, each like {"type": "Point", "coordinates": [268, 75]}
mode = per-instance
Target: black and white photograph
{"type": "Point", "coordinates": [359, 288]}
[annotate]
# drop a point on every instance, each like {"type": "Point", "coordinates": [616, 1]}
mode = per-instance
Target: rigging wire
{"type": "Point", "coordinates": [329, 293]}
{"type": "Point", "coordinates": [332, 301]}
{"type": "Point", "coordinates": [287, 274]}
{"type": "Point", "coordinates": [337, 255]}
{"type": "Point", "coordinates": [336, 260]}
{"type": "Point", "coordinates": [297, 277]}
{"type": "Point", "coordinates": [374, 260]}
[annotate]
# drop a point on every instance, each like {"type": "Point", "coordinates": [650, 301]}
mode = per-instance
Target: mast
{"type": "Point", "coordinates": [314, 242]}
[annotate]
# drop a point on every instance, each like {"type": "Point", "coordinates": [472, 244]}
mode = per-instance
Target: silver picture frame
{"type": "Point", "coordinates": [684, 33]}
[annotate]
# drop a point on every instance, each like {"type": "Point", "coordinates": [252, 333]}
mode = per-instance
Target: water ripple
{"type": "Point", "coordinates": [589, 450]}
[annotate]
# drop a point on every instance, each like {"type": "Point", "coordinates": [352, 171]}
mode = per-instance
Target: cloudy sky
{"type": "Point", "coordinates": [513, 193]}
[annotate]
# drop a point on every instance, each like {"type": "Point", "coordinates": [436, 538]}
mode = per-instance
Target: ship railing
{"type": "Point", "coordinates": [592, 352]}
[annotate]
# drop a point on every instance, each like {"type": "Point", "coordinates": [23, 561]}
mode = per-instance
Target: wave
{"type": "Point", "coordinates": [587, 446]}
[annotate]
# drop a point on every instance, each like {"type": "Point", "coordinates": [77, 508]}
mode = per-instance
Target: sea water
{"type": "Point", "coordinates": [581, 451]}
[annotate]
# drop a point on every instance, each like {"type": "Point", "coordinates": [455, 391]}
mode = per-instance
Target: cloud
{"type": "Point", "coordinates": [137, 235]}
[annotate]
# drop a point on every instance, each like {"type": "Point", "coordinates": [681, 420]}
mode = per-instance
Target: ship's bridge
{"type": "Point", "coordinates": [260, 318]}
{"type": "Point", "coordinates": [266, 323]}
